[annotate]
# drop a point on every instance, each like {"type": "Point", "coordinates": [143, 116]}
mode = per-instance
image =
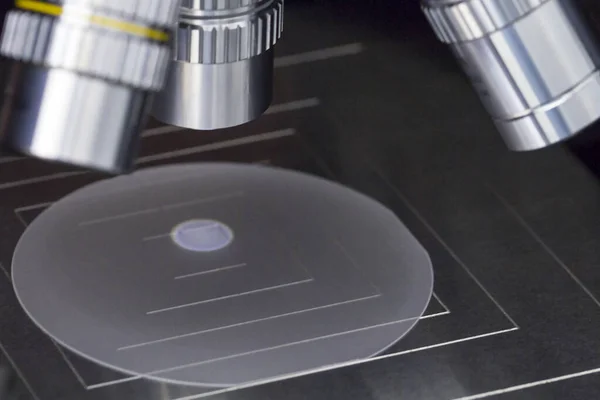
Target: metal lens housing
{"type": "Point", "coordinates": [80, 78]}
{"type": "Point", "coordinates": [534, 64]}
{"type": "Point", "coordinates": [221, 74]}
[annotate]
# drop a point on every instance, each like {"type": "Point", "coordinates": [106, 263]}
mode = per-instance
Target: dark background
{"type": "Point", "coordinates": [514, 237]}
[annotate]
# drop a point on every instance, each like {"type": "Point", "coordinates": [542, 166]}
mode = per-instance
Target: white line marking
{"type": "Point", "coordinates": [3, 269]}
{"type": "Point", "coordinates": [226, 196]}
{"type": "Point", "coordinates": [231, 296]}
{"type": "Point", "coordinates": [342, 365]}
{"type": "Point", "coordinates": [355, 264]}
{"type": "Point", "coordinates": [40, 179]}
{"type": "Point", "coordinates": [7, 160]}
{"type": "Point", "coordinates": [18, 372]}
{"type": "Point", "coordinates": [112, 383]}
{"type": "Point", "coordinates": [293, 106]}
{"type": "Point", "coordinates": [211, 271]}
{"type": "Point", "coordinates": [161, 130]}
{"type": "Point", "coordinates": [430, 228]}
{"type": "Point", "coordinates": [281, 346]}
{"type": "Point", "coordinates": [156, 237]}
{"type": "Point", "coordinates": [34, 206]}
{"type": "Point", "coordinates": [118, 217]}
{"type": "Point", "coordinates": [21, 219]}
{"type": "Point", "coordinates": [433, 346]}
{"type": "Point", "coordinates": [435, 296]}
{"type": "Point", "coordinates": [70, 365]}
{"type": "Point", "coordinates": [164, 156]}
{"type": "Point", "coordinates": [429, 316]}
{"type": "Point", "coordinates": [248, 322]}
{"type": "Point", "coordinates": [333, 335]}
{"type": "Point", "coordinates": [541, 242]}
{"type": "Point", "coordinates": [218, 146]}
{"type": "Point", "coordinates": [158, 209]}
{"type": "Point", "coordinates": [78, 377]}
{"type": "Point", "coordinates": [351, 49]}
{"type": "Point", "coordinates": [274, 109]}
{"type": "Point", "coordinates": [530, 385]}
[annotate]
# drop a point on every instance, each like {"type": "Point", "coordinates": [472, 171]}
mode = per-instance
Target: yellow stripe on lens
{"type": "Point", "coordinates": [105, 22]}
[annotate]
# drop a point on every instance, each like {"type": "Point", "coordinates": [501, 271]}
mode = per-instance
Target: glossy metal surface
{"type": "Point", "coordinates": [338, 280]}
{"type": "Point", "coordinates": [221, 75]}
{"type": "Point", "coordinates": [212, 96]}
{"type": "Point", "coordinates": [534, 64]}
{"type": "Point", "coordinates": [59, 115]}
{"type": "Point", "coordinates": [88, 69]}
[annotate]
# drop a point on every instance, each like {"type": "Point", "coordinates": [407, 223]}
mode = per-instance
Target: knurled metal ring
{"type": "Point", "coordinates": [216, 5]}
{"type": "Point", "coordinates": [48, 41]}
{"type": "Point", "coordinates": [226, 40]}
{"type": "Point", "coordinates": [472, 19]}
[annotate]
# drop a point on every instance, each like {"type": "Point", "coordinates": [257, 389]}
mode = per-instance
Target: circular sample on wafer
{"type": "Point", "coordinates": [313, 275]}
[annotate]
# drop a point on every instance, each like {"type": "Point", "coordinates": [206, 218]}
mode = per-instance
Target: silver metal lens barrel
{"type": "Point", "coordinates": [222, 71]}
{"type": "Point", "coordinates": [534, 64]}
{"type": "Point", "coordinates": [81, 77]}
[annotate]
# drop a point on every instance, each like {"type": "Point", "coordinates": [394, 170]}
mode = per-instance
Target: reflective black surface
{"type": "Point", "coordinates": [514, 238]}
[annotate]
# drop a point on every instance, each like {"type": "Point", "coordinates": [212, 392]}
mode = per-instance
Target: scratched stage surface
{"type": "Point", "coordinates": [380, 106]}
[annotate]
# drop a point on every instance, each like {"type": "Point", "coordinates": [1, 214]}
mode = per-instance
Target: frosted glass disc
{"type": "Point", "coordinates": [221, 274]}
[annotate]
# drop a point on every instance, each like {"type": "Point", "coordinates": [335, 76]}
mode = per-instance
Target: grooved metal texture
{"type": "Point", "coordinates": [45, 40]}
{"type": "Point", "coordinates": [214, 5]}
{"type": "Point", "coordinates": [473, 19]}
{"type": "Point", "coordinates": [155, 12]}
{"type": "Point", "coordinates": [229, 38]}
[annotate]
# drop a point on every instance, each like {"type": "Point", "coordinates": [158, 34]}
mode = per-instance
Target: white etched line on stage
{"type": "Point", "coordinates": [439, 314]}
{"type": "Point", "coordinates": [293, 106]}
{"type": "Point", "coordinates": [250, 322]}
{"type": "Point", "coordinates": [433, 346]}
{"type": "Point", "coordinates": [196, 303]}
{"type": "Point", "coordinates": [40, 179]}
{"type": "Point", "coordinates": [530, 385]}
{"type": "Point", "coordinates": [435, 296]}
{"type": "Point", "coordinates": [437, 236]}
{"type": "Point", "coordinates": [268, 319]}
{"type": "Point", "coordinates": [541, 242]}
{"type": "Point", "coordinates": [281, 346]}
{"type": "Point", "coordinates": [348, 364]}
{"type": "Point", "coordinates": [19, 210]}
{"type": "Point", "coordinates": [351, 49]}
{"type": "Point", "coordinates": [60, 351]}
{"type": "Point", "coordinates": [3, 269]}
{"type": "Point", "coordinates": [162, 130]}
{"type": "Point", "coordinates": [112, 383]}
{"type": "Point", "coordinates": [218, 146]}
{"type": "Point", "coordinates": [34, 207]}
{"type": "Point", "coordinates": [164, 156]}
{"type": "Point", "coordinates": [20, 218]}
{"type": "Point", "coordinates": [211, 271]}
{"type": "Point", "coordinates": [274, 109]}
{"type": "Point", "coordinates": [70, 365]}
{"type": "Point", "coordinates": [18, 372]}
{"type": "Point", "coordinates": [118, 217]}
{"type": "Point", "coordinates": [8, 160]}
{"type": "Point", "coordinates": [333, 335]}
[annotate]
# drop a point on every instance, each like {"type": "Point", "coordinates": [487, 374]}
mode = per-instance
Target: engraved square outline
{"type": "Point", "coordinates": [91, 387]}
